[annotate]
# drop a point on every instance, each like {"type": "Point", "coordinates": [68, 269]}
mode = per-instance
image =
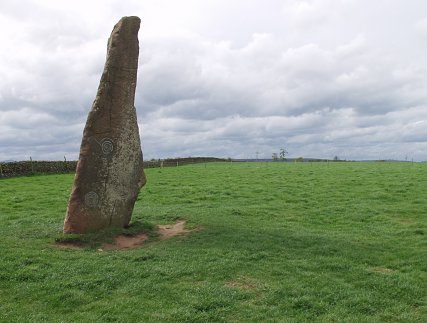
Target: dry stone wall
{"type": "Point", "coordinates": [27, 168]}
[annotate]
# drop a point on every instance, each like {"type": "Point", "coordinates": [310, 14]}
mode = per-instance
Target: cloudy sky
{"type": "Point", "coordinates": [225, 78]}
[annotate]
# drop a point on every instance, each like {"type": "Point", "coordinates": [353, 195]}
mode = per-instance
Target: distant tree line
{"type": "Point", "coordinates": [281, 156]}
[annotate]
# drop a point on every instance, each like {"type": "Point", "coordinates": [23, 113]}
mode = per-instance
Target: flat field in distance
{"type": "Point", "coordinates": [274, 242]}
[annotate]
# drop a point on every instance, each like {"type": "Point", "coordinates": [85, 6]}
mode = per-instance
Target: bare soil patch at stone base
{"type": "Point", "coordinates": [171, 230]}
{"type": "Point", "coordinates": [127, 241]}
{"type": "Point", "coordinates": [134, 241]}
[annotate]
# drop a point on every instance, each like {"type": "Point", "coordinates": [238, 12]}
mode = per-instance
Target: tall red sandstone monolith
{"type": "Point", "coordinates": [110, 171]}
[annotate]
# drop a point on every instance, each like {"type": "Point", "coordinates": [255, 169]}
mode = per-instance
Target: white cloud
{"type": "Point", "coordinates": [421, 28]}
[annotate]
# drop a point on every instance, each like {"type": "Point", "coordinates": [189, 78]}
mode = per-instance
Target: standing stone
{"type": "Point", "coordinates": [110, 171]}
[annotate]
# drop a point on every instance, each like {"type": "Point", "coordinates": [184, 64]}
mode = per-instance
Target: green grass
{"type": "Point", "coordinates": [277, 242]}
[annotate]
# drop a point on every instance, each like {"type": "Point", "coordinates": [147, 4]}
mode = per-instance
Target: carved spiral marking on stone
{"type": "Point", "coordinates": [91, 199]}
{"type": "Point", "coordinates": [107, 146]}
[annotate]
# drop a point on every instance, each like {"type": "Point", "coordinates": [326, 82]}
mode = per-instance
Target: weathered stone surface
{"type": "Point", "coordinates": [110, 172]}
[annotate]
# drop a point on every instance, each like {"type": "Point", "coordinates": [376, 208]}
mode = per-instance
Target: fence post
{"type": "Point", "coordinates": [176, 163]}
{"type": "Point", "coordinates": [32, 166]}
{"type": "Point", "coordinates": [1, 171]}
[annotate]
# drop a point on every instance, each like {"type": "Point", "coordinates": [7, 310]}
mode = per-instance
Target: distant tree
{"type": "Point", "coordinates": [274, 157]}
{"type": "Point", "coordinates": [336, 158]}
{"type": "Point", "coordinates": [283, 153]}
{"type": "Point", "coordinates": [299, 159]}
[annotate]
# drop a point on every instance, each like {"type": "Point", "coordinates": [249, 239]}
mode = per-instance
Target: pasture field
{"type": "Point", "coordinates": [273, 242]}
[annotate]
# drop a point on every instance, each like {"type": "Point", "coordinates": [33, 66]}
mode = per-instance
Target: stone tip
{"type": "Point", "coordinates": [131, 20]}
{"type": "Point", "coordinates": [136, 18]}
{"type": "Point", "coordinates": [124, 33]}
{"type": "Point", "coordinates": [129, 23]}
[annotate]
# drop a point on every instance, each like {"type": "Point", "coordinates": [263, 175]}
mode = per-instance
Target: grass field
{"type": "Point", "coordinates": [276, 242]}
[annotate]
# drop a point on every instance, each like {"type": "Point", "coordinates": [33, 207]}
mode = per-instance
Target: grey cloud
{"type": "Point", "coordinates": [284, 82]}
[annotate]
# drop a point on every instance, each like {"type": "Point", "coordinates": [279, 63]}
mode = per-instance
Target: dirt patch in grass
{"type": "Point", "coordinates": [244, 282]}
{"type": "Point", "coordinates": [125, 242]}
{"type": "Point", "coordinates": [407, 221]}
{"type": "Point", "coordinates": [171, 230]}
{"type": "Point", "coordinates": [134, 241]}
{"type": "Point", "coordinates": [130, 241]}
{"type": "Point", "coordinates": [381, 270]}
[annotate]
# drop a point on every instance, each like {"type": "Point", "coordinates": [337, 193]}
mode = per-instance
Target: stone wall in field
{"type": "Point", "coordinates": [173, 162]}
{"type": "Point", "coordinates": [25, 168]}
